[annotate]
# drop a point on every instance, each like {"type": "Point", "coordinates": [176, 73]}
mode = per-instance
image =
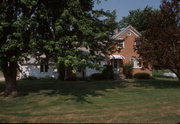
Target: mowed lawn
{"type": "Point", "coordinates": [156, 101]}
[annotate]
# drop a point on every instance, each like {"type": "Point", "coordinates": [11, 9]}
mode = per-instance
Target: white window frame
{"type": "Point", "coordinates": [135, 62]}
{"type": "Point", "coordinates": [123, 46]}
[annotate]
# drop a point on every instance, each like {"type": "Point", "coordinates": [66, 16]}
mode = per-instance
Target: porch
{"type": "Point", "coordinates": [117, 63]}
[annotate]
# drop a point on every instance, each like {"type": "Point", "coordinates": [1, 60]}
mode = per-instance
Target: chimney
{"type": "Point", "coordinates": [116, 31]}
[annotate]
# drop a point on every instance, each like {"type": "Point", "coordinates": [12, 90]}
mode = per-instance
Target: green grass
{"type": "Point", "coordinates": [156, 101]}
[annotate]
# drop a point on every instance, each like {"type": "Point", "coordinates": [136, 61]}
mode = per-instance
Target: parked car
{"type": "Point", "coordinates": [170, 75]}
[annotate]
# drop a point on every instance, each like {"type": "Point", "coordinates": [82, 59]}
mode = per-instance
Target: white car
{"type": "Point", "coordinates": [170, 75]}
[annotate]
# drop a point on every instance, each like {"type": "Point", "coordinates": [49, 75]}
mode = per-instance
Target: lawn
{"type": "Point", "coordinates": [159, 73]}
{"type": "Point", "coordinates": [156, 101]}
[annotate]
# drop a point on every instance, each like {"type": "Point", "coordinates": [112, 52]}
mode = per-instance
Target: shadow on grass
{"type": "Point", "coordinates": [159, 83]}
{"type": "Point", "coordinates": [80, 90]}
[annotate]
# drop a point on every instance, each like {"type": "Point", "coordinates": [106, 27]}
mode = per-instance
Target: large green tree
{"type": "Point", "coordinates": [57, 29]}
{"type": "Point", "coordinates": [160, 44]}
{"type": "Point", "coordinates": [78, 35]}
{"type": "Point", "coordinates": [15, 31]}
{"type": "Point", "coordinates": [138, 18]}
{"type": "Point", "coordinates": [86, 31]}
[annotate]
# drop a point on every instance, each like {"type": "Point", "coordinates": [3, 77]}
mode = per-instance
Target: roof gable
{"type": "Point", "coordinates": [131, 28]}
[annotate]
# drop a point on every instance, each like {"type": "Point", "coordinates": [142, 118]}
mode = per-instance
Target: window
{"type": "Point", "coordinates": [135, 45]}
{"type": "Point", "coordinates": [121, 44]}
{"type": "Point", "coordinates": [129, 33]}
{"type": "Point", "coordinates": [137, 63]}
{"type": "Point", "coordinates": [44, 68]}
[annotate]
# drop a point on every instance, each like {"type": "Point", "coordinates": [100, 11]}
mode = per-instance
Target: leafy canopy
{"type": "Point", "coordinates": [160, 45]}
{"type": "Point", "coordinates": [76, 36]}
{"type": "Point", "coordinates": [58, 29]}
{"type": "Point", "coordinates": [138, 19]}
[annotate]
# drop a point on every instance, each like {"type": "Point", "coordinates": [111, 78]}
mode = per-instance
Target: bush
{"type": "Point", "coordinates": [71, 79]}
{"type": "Point", "coordinates": [30, 78]}
{"type": "Point", "coordinates": [97, 76]}
{"type": "Point", "coordinates": [108, 72]}
{"type": "Point", "coordinates": [127, 70]}
{"type": "Point", "coordinates": [142, 76]}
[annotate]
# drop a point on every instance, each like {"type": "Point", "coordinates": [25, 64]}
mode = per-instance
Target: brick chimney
{"type": "Point", "coordinates": [116, 31]}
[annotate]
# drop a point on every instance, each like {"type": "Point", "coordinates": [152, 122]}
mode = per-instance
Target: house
{"type": "Point", "coordinates": [127, 53]}
{"type": "Point", "coordinates": [124, 53]}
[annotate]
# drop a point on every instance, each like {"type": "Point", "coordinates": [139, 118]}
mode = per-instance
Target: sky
{"type": "Point", "coordinates": [122, 7]}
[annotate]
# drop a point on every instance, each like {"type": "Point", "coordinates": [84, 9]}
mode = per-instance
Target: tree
{"type": "Point", "coordinates": [79, 35]}
{"type": "Point", "coordinates": [57, 29]}
{"type": "Point", "coordinates": [15, 32]}
{"type": "Point", "coordinates": [22, 27]}
{"type": "Point", "coordinates": [160, 45]}
{"type": "Point", "coordinates": [138, 18]}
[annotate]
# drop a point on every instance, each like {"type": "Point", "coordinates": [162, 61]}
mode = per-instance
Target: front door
{"type": "Point", "coordinates": [116, 65]}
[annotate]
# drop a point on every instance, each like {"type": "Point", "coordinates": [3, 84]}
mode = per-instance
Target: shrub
{"type": "Point", "coordinates": [83, 79]}
{"type": "Point", "coordinates": [108, 72]}
{"type": "Point", "coordinates": [127, 70]}
{"type": "Point", "coordinates": [30, 78]}
{"type": "Point", "coordinates": [71, 79]}
{"type": "Point", "coordinates": [142, 76]}
{"type": "Point", "coordinates": [97, 76]}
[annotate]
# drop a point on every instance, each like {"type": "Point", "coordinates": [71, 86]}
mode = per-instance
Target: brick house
{"type": "Point", "coordinates": [127, 54]}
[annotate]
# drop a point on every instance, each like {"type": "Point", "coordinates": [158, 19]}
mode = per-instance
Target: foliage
{"type": "Point", "coordinates": [138, 19]}
{"type": "Point", "coordinates": [142, 76]}
{"type": "Point", "coordinates": [108, 72]}
{"type": "Point", "coordinates": [159, 73]}
{"type": "Point", "coordinates": [160, 45]}
{"type": "Point", "coordinates": [57, 29]}
{"type": "Point", "coordinates": [16, 27]}
{"type": "Point", "coordinates": [71, 79]}
{"type": "Point", "coordinates": [127, 70]}
{"type": "Point", "coordinates": [77, 34]}
{"type": "Point", "coordinates": [30, 78]}
{"type": "Point", "coordinates": [97, 76]}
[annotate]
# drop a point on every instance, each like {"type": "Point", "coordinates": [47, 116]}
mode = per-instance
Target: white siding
{"type": "Point", "coordinates": [90, 71]}
{"type": "Point", "coordinates": [30, 70]}
{"type": "Point", "coordinates": [34, 71]}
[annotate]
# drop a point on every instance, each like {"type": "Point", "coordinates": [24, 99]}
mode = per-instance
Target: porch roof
{"type": "Point", "coordinates": [116, 57]}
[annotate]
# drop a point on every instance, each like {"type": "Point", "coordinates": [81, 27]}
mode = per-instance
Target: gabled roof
{"type": "Point", "coordinates": [124, 30]}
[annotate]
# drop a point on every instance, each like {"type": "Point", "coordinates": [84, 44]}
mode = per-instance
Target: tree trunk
{"type": "Point", "coordinates": [179, 79]}
{"type": "Point", "coordinates": [61, 71]}
{"type": "Point", "coordinates": [10, 73]}
{"type": "Point", "coordinates": [177, 72]}
{"type": "Point", "coordinates": [178, 75]}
